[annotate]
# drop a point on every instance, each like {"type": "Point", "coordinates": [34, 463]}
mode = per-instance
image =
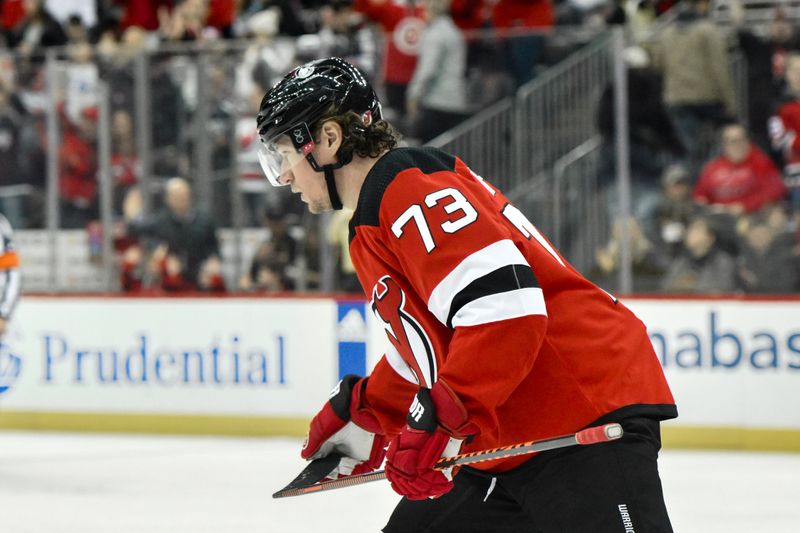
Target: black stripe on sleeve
{"type": "Point", "coordinates": [504, 279]}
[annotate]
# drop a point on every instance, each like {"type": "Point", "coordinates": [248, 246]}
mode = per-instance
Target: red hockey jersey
{"type": "Point", "coordinates": [471, 293]}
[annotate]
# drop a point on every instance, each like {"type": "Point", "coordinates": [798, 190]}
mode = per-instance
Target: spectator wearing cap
{"type": "Point", "coordinates": [701, 267]}
{"type": "Point", "coordinates": [741, 180]}
{"type": "Point", "coordinates": [674, 211]}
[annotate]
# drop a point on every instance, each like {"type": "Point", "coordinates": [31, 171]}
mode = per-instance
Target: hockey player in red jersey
{"type": "Point", "coordinates": [493, 337]}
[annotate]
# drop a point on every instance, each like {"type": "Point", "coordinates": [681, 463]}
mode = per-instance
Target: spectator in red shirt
{"type": "Point", "coordinates": [469, 14]}
{"type": "Point", "coordinates": [221, 16]}
{"type": "Point", "coordinates": [142, 13]}
{"type": "Point", "coordinates": [403, 23]}
{"type": "Point", "coordinates": [12, 12]}
{"type": "Point", "coordinates": [743, 179]}
{"type": "Point", "coordinates": [78, 169]}
{"type": "Point", "coordinates": [524, 50]}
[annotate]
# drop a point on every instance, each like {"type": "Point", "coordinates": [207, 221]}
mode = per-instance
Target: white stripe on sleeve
{"type": "Point", "coordinates": [501, 306]}
{"type": "Point", "coordinates": [484, 261]}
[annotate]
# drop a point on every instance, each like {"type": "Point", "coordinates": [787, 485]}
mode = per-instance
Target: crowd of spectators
{"type": "Point", "coordinates": [732, 229]}
{"type": "Point", "coordinates": [715, 200]}
{"type": "Point", "coordinates": [435, 63]}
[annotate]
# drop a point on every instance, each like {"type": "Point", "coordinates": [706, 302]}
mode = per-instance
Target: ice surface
{"type": "Point", "coordinates": [76, 483]}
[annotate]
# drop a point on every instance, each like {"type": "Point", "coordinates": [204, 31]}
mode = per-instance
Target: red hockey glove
{"type": "Point", "coordinates": [343, 427]}
{"type": "Point", "coordinates": [436, 427]}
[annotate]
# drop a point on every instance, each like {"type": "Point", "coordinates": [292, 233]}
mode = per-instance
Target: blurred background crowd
{"type": "Point", "coordinates": [131, 123]}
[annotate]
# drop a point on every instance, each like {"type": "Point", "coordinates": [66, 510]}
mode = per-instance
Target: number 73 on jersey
{"type": "Point", "coordinates": [463, 214]}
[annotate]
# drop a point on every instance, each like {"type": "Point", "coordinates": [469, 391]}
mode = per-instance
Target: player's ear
{"type": "Point", "coordinates": [331, 136]}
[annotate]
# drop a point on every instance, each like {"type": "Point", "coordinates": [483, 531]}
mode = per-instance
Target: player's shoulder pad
{"type": "Point", "coordinates": [426, 160]}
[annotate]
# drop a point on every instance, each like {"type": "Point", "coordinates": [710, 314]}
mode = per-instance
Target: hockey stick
{"type": "Point", "coordinates": [311, 478]}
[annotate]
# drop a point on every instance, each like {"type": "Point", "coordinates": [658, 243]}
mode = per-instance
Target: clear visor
{"type": "Point", "coordinates": [279, 158]}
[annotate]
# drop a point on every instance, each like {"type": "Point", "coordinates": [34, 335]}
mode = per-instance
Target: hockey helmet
{"type": "Point", "coordinates": [292, 108]}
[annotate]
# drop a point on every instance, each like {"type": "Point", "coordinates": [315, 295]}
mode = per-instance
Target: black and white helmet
{"type": "Point", "coordinates": [295, 104]}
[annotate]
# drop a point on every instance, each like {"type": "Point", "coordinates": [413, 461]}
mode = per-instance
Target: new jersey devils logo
{"type": "Point", "coordinates": [404, 332]}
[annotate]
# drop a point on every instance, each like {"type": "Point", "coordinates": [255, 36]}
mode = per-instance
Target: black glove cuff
{"type": "Point", "coordinates": [341, 394]}
{"type": "Point", "coordinates": [422, 413]}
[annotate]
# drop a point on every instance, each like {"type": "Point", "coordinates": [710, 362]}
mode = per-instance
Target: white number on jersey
{"type": "Point", "coordinates": [528, 230]}
{"type": "Point", "coordinates": [415, 213]}
{"type": "Point", "coordinates": [459, 203]}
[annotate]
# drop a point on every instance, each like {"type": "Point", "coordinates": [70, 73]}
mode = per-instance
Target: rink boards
{"type": "Point", "coordinates": [263, 366]}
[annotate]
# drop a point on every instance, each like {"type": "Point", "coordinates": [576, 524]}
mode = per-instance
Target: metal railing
{"type": "Point", "coordinates": [188, 113]}
{"type": "Point", "coordinates": [133, 119]}
{"type": "Point", "coordinates": [520, 138]}
{"type": "Point", "coordinates": [576, 190]}
{"type": "Point", "coordinates": [543, 148]}
{"type": "Point", "coordinates": [109, 122]}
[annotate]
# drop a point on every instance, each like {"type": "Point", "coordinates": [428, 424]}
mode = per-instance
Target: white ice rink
{"type": "Point", "coordinates": [75, 483]}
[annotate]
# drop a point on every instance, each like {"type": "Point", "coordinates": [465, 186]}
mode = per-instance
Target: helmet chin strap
{"type": "Point", "coordinates": [330, 181]}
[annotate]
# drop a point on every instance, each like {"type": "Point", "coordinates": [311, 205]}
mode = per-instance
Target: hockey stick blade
{"type": "Point", "coordinates": [312, 474]}
{"type": "Point", "coordinates": [593, 435]}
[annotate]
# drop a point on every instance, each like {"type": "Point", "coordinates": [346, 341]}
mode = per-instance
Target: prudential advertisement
{"type": "Point", "coordinates": [730, 363]}
{"type": "Point", "coordinates": [193, 356]}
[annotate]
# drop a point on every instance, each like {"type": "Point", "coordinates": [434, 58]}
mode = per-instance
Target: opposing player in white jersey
{"type": "Point", "coordinates": [9, 274]}
{"type": "Point", "coordinates": [494, 338]}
